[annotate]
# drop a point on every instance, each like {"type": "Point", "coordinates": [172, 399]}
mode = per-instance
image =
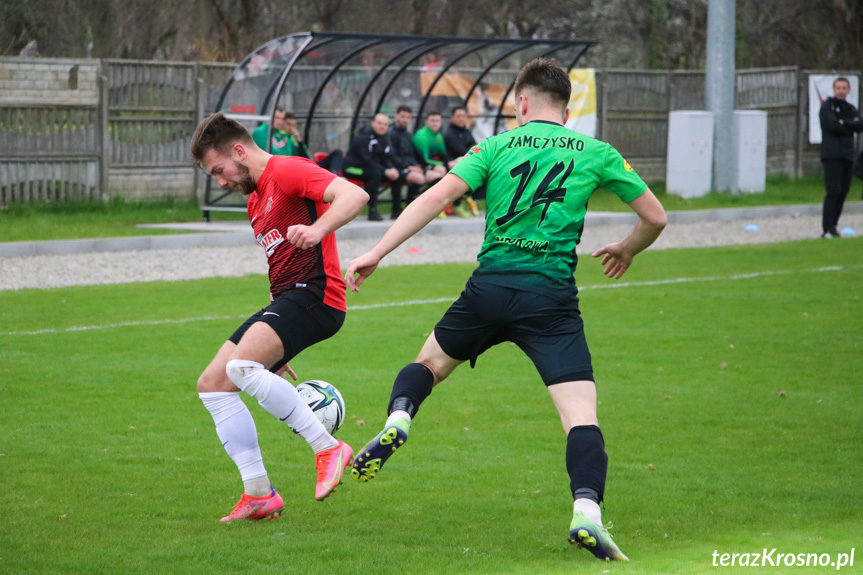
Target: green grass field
{"type": "Point", "coordinates": [729, 387]}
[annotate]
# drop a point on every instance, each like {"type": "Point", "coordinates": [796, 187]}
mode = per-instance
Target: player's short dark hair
{"type": "Point", "coordinates": [841, 79]}
{"type": "Point", "coordinates": [404, 108]}
{"type": "Point", "coordinates": [433, 113]}
{"type": "Point", "coordinates": [456, 109]}
{"type": "Point", "coordinates": [290, 116]}
{"type": "Point", "coordinates": [545, 76]}
{"type": "Point", "coordinates": [219, 133]}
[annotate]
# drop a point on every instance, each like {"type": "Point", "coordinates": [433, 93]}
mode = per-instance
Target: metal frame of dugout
{"type": "Point", "coordinates": [334, 82]}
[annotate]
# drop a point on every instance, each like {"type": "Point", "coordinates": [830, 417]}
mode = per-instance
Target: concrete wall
{"type": "Point", "coordinates": [34, 81]}
{"type": "Point", "coordinates": [150, 183]}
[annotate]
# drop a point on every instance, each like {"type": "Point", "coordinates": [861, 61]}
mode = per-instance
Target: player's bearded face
{"type": "Point", "coordinates": [244, 183]}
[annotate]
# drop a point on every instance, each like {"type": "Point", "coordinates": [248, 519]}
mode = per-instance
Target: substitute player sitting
{"type": "Point", "coordinates": [294, 208]}
{"type": "Point", "coordinates": [539, 177]}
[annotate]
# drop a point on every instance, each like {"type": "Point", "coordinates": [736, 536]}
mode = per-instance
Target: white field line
{"type": "Point", "coordinates": [669, 281]}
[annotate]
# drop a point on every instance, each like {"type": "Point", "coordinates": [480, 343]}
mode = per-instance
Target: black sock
{"type": "Point", "coordinates": [586, 462]}
{"type": "Point", "coordinates": [413, 384]}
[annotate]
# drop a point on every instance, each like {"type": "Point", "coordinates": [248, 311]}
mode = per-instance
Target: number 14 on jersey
{"type": "Point", "coordinates": [544, 195]}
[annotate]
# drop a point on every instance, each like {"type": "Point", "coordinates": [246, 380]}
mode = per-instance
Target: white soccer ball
{"type": "Point", "coordinates": [326, 402]}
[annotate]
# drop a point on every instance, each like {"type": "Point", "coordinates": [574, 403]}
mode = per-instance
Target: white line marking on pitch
{"type": "Point", "coordinates": [430, 301]}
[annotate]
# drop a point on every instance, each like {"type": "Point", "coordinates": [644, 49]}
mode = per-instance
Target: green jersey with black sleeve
{"type": "Point", "coordinates": [539, 178]}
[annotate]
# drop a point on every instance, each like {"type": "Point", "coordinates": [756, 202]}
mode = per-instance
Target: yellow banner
{"type": "Point", "coordinates": [582, 103]}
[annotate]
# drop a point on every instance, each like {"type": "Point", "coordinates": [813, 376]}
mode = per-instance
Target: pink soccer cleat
{"type": "Point", "coordinates": [331, 465]}
{"type": "Point", "coordinates": [256, 508]}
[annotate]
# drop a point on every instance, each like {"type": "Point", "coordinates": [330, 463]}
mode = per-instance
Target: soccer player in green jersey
{"type": "Point", "coordinates": [539, 178]}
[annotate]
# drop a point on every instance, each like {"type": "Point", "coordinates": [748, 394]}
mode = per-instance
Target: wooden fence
{"type": "Point", "coordinates": [634, 107]}
{"type": "Point", "coordinates": [141, 122]}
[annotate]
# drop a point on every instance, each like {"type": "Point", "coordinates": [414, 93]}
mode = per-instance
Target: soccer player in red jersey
{"type": "Point", "coordinates": [294, 207]}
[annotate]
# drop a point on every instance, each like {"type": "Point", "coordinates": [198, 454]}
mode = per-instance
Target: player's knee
{"type": "Point", "coordinates": [205, 383]}
{"type": "Point", "coordinates": [243, 373]}
{"type": "Point", "coordinates": [213, 379]}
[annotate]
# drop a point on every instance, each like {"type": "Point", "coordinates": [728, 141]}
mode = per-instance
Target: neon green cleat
{"type": "Point", "coordinates": [595, 538]}
{"type": "Point", "coordinates": [372, 457]}
{"type": "Point", "coordinates": [461, 211]}
{"type": "Point", "coordinates": [474, 209]}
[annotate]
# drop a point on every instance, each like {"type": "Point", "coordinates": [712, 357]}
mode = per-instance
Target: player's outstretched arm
{"type": "Point", "coordinates": [414, 218]}
{"type": "Point", "coordinates": [651, 222]}
{"type": "Point", "coordinates": [346, 201]}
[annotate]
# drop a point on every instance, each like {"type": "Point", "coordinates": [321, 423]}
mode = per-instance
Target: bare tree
{"type": "Point", "coordinates": [631, 33]}
{"type": "Point", "coordinates": [848, 28]}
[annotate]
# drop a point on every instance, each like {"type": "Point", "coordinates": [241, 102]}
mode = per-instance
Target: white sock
{"type": "Point", "coordinates": [281, 400]}
{"type": "Point", "coordinates": [236, 430]}
{"type": "Point", "coordinates": [258, 487]}
{"type": "Point", "coordinates": [324, 442]}
{"type": "Point", "coordinates": [590, 508]}
{"type": "Point", "coordinates": [398, 414]}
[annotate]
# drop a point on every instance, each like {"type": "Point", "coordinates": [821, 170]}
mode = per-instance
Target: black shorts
{"type": "Point", "coordinates": [550, 332]}
{"type": "Point", "coordinates": [299, 318]}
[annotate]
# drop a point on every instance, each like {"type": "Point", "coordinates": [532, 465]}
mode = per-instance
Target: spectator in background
{"type": "Point", "coordinates": [459, 140]}
{"type": "Point", "coordinates": [431, 151]}
{"type": "Point", "coordinates": [285, 139]}
{"type": "Point", "coordinates": [369, 159]}
{"type": "Point", "coordinates": [839, 121]}
{"type": "Point", "coordinates": [404, 159]}
{"type": "Point", "coordinates": [457, 136]}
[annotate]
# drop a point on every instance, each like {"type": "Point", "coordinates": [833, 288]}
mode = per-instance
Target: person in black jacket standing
{"type": "Point", "coordinates": [369, 159]}
{"type": "Point", "coordinates": [839, 121]}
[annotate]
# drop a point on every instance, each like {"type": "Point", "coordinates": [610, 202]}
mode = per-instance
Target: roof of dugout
{"type": "Point", "coordinates": [335, 82]}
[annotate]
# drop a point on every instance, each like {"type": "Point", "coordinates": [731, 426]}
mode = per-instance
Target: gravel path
{"type": "Point", "coordinates": [50, 271]}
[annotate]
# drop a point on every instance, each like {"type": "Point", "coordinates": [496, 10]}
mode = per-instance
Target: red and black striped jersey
{"type": "Point", "coordinates": [290, 192]}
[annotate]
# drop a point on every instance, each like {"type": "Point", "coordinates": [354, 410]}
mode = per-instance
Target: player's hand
{"type": "Point", "coordinates": [617, 260]}
{"type": "Point", "coordinates": [392, 174]}
{"type": "Point", "coordinates": [362, 267]}
{"type": "Point", "coordinates": [304, 237]}
{"type": "Point", "coordinates": [287, 368]}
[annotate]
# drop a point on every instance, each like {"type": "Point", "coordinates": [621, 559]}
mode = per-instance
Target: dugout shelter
{"type": "Point", "coordinates": [336, 82]}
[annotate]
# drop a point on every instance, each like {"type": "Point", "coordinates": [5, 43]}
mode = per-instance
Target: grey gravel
{"type": "Point", "coordinates": [51, 271]}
